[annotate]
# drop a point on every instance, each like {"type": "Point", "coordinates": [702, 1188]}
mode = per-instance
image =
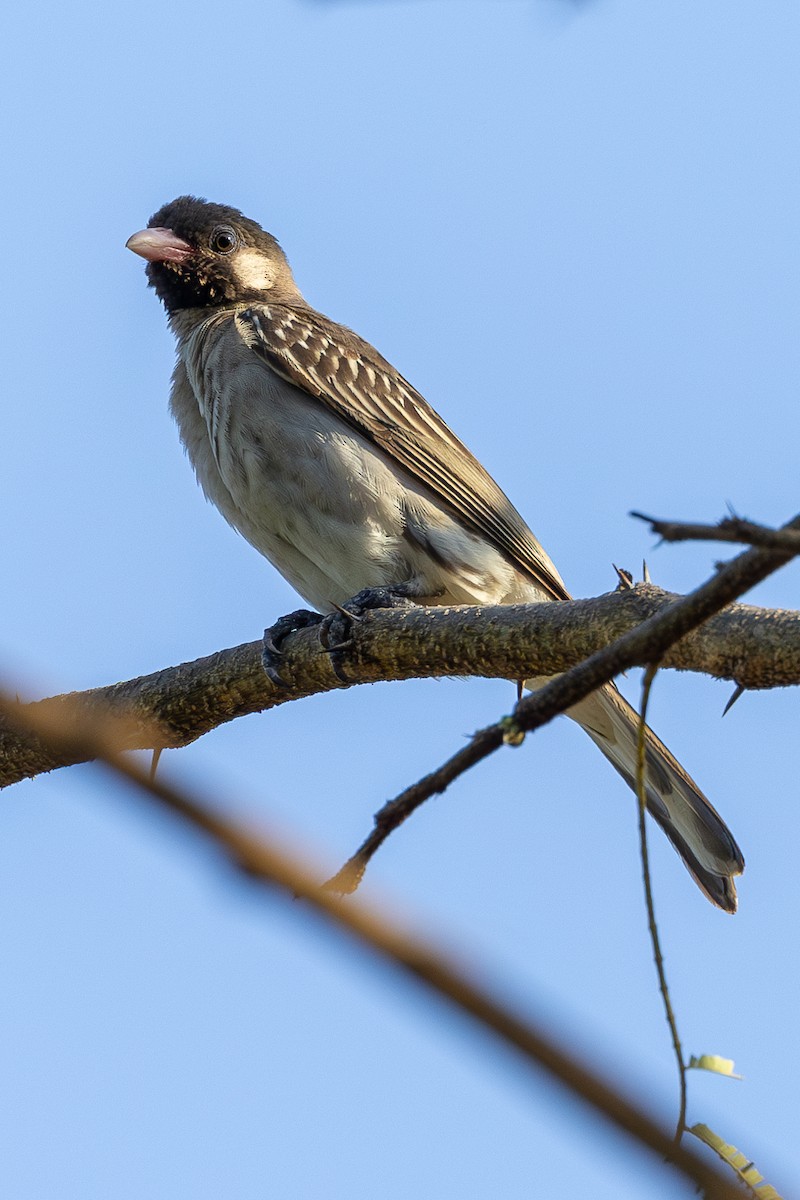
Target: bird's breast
{"type": "Point", "coordinates": [331, 510]}
{"type": "Point", "coordinates": [306, 490]}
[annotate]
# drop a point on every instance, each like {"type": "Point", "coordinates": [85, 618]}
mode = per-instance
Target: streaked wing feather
{"type": "Point", "coordinates": [332, 363]}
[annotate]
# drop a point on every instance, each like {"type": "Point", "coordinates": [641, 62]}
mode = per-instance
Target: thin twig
{"type": "Point", "coordinates": [729, 529]}
{"type": "Point", "coordinates": [268, 866]}
{"type": "Point", "coordinates": [658, 958]}
{"type": "Point", "coordinates": [640, 646]}
{"type": "Point", "coordinates": [396, 811]}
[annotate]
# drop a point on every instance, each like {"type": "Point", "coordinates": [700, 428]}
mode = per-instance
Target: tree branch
{"type": "Point", "coordinates": [645, 644]}
{"type": "Point", "coordinates": [729, 529]}
{"type": "Point", "coordinates": [272, 867]}
{"type": "Point", "coordinates": [755, 647]}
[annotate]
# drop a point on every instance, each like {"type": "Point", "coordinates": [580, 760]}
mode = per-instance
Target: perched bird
{"type": "Point", "coordinates": [337, 470]}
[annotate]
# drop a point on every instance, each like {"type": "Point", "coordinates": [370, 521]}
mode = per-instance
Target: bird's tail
{"type": "Point", "coordinates": [694, 827]}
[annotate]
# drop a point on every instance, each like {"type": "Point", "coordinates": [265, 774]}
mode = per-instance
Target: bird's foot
{"type": "Point", "coordinates": [271, 653]}
{"type": "Point", "coordinates": [336, 630]}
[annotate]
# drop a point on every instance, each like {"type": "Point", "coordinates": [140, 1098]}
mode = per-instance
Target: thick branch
{"type": "Point", "coordinates": [755, 647]}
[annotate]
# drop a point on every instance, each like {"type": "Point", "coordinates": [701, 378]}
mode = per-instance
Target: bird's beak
{"type": "Point", "coordinates": [159, 245]}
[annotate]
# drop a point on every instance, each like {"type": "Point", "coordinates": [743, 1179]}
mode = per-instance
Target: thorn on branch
{"type": "Point", "coordinates": [738, 691]}
{"type": "Point", "coordinates": [154, 761]}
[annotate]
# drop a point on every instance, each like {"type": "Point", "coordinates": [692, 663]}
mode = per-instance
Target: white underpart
{"type": "Point", "coordinates": [328, 508]}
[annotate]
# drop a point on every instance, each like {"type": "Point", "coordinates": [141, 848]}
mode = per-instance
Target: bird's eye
{"type": "Point", "coordinates": [223, 240]}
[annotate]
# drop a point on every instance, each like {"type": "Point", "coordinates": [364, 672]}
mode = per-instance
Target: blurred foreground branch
{"type": "Point", "coordinates": [271, 867]}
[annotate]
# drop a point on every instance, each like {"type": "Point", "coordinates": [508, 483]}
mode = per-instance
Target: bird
{"type": "Point", "coordinates": [335, 468]}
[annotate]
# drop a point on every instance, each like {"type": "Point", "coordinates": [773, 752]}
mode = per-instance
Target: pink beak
{"type": "Point", "coordinates": [159, 245]}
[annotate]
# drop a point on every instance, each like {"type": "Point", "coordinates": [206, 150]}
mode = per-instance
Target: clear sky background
{"type": "Point", "coordinates": [575, 228]}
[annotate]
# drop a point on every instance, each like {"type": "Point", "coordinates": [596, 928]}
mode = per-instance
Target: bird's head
{"type": "Point", "coordinates": [203, 255]}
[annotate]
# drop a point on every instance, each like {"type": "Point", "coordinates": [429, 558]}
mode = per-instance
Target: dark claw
{"type": "Point", "coordinates": [336, 629]}
{"type": "Point", "coordinates": [345, 612]}
{"type": "Point", "coordinates": [379, 597]}
{"type": "Point", "coordinates": [334, 636]}
{"type": "Point", "coordinates": [339, 646]}
{"type": "Point", "coordinates": [271, 652]}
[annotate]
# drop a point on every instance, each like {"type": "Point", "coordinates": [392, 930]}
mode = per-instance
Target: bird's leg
{"type": "Point", "coordinates": [271, 652]}
{"type": "Point", "coordinates": [335, 631]}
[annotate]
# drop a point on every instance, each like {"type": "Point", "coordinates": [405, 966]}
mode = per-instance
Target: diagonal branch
{"type": "Point", "coordinates": [271, 867]}
{"type": "Point", "coordinates": [639, 647]}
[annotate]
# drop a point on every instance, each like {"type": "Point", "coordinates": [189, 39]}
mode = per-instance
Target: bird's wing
{"type": "Point", "coordinates": [348, 375]}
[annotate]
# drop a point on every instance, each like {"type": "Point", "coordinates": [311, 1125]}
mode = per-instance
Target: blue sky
{"type": "Point", "coordinates": [574, 228]}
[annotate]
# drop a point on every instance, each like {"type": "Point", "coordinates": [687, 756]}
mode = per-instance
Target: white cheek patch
{"type": "Point", "coordinates": [253, 271]}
